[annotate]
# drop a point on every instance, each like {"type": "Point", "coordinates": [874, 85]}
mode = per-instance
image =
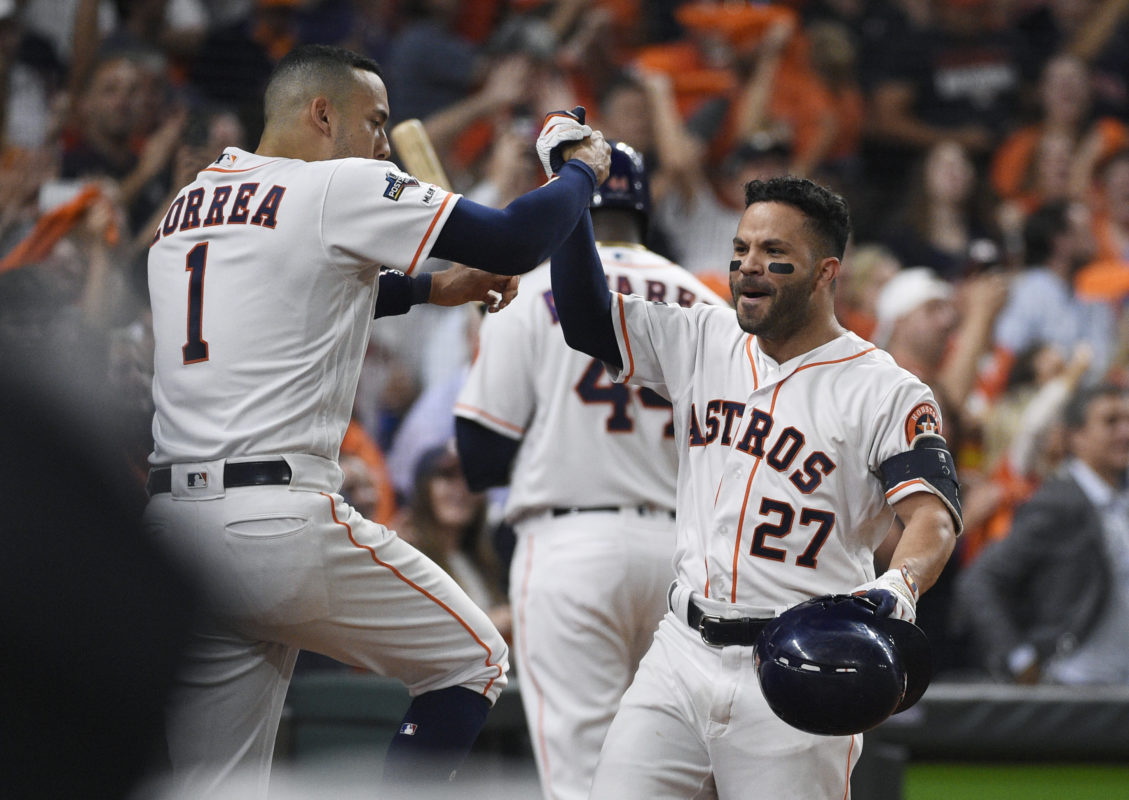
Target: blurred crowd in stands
{"type": "Point", "coordinates": [983, 146]}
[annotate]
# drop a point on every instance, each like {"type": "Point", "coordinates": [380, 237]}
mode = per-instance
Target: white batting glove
{"type": "Point", "coordinates": [560, 128]}
{"type": "Point", "coordinates": [895, 592]}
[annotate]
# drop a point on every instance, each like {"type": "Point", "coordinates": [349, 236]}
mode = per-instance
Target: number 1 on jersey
{"type": "Point", "coordinates": [196, 348]}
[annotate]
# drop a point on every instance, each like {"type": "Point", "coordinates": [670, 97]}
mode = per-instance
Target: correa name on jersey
{"type": "Point", "coordinates": [224, 205]}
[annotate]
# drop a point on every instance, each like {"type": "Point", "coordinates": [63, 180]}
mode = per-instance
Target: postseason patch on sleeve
{"type": "Point", "coordinates": [397, 182]}
{"type": "Point", "coordinates": [924, 418]}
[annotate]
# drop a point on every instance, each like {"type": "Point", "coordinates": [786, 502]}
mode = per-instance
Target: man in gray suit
{"type": "Point", "coordinates": [1050, 602]}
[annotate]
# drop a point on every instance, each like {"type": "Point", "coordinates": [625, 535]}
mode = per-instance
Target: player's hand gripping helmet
{"type": "Point", "coordinates": [627, 186]}
{"type": "Point", "coordinates": [832, 666]}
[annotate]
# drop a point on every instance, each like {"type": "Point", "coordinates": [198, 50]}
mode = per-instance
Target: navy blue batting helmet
{"type": "Point", "coordinates": [832, 666]}
{"type": "Point", "coordinates": [627, 186]}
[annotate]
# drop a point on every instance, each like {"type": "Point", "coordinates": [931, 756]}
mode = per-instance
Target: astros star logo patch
{"type": "Point", "coordinates": [923, 419]}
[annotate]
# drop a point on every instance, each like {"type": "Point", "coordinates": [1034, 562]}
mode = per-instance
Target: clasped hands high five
{"type": "Point", "coordinates": [564, 136]}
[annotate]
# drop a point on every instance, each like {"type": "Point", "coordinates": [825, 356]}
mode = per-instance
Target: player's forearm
{"type": "Point", "coordinates": [515, 239]}
{"type": "Point", "coordinates": [581, 296]}
{"type": "Point", "coordinates": [927, 541]}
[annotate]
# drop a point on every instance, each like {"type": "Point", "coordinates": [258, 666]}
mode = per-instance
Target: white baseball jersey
{"type": "Point", "coordinates": [778, 493]}
{"type": "Point", "coordinates": [588, 583]}
{"type": "Point", "coordinates": [528, 384]}
{"type": "Point", "coordinates": [778, 478]}
{"type": "Point", "coordinates": [274, 263]}
{"type": "Point", "coordinates": [263, 279]}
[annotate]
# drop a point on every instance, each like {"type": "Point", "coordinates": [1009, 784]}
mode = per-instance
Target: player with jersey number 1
{"type": "Point", "coordinates": [264, 278]}
{"type": "Point", "coordinates": [800, 447]}
{"type": "Point", "coordinates": [591, 467]}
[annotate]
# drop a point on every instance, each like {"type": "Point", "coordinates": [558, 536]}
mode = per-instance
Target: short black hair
{"type": "Point", "coordinates": [324, 56]}
{"type": "Point", "coordinates": [1042, 226]}
{"type": "Point", "coordinates": [316, 66]}
{"type": "Point", "coordinates": [1078, 406]}
{"type": "Point", "coordinates": [826, 211]}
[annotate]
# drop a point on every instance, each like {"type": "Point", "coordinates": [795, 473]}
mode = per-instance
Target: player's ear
{"type": "Point", "coordinates": [320, 111]}
{"type": "Point", "coordinates": [828, 270]}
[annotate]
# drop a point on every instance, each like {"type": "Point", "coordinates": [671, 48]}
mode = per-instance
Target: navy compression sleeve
{"type": "Point", "coordinates": [581, 296]}
{"type": "Point", "coordinates": [486, 456]}
{"type": "Point", "coordinates": [515, 239]}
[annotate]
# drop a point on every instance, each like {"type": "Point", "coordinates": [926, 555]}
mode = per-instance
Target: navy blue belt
{"type": "Point", "coordinates": [235, 474]}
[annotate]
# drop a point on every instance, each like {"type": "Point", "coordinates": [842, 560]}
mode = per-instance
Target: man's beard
{"type": "Point", "coordinates": [789, 311]}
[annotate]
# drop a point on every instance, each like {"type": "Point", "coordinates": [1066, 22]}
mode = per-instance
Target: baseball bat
{"type": "Point", "coordinates": [417, 154]}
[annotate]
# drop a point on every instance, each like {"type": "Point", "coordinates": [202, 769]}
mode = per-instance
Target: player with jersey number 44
{"type": "Point", "coordinates": [801, 448]}
{"type": "Point", "coordinates": [265, 276]}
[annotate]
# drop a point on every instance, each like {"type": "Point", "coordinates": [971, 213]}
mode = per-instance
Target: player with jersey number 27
{"type": "Point", "coordinates": [591, 468]}
{"type": "Point", "coordinates": [799, 446]}
{"type": "Point", "coordinates": [264, 278]}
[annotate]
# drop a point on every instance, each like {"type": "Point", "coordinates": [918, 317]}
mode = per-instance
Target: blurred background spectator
{"type": "Point", "coordinates": [1048, 602]}
{"type": "Point", "coordinates": [1043, 306]}
{"type": "Point", "coordinates": [952, 74]}
{"type": "Point", "coordinates": [1054, 157]}
{"type": "Point", "coordinates": [866, 268]}
{"type": "Point", "coordinates": [943, 222]}
{"type": "Point", "coordinates": [447, 522]}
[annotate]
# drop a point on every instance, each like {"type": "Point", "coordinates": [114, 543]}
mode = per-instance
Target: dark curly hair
{"type": "Point", "coordinates": [827, 212]}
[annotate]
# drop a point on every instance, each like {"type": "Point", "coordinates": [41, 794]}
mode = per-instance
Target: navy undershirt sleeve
{"type": "Point", "coordinates": [581, 296]}
{"type": "Point", "coordinates": [515, 239]}
{"type": "Point", "coordinates": [486, 456]}
{"type": "Point", "coordinates": [399, 292]}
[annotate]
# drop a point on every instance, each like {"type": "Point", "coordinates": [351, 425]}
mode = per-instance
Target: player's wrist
{"type": "Point", "coordinates": [895, 591]}
{"type": "Point", "coordinates": [901, 581]}
{"type": "Point", "coordinates": [586, 167]}
{"type": "Point", "coordinates": [422, 286]}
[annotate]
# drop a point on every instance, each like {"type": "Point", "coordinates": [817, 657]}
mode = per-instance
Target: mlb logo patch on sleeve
{"type": "Point", "coordinates": [409, 728]}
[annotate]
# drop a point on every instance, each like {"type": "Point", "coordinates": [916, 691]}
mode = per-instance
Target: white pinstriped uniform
{"type": "Point", "coordinates": [263, 279]}
{"type": "Point", "coordinates": [587, 588]}
{"type": "Point", "coordinates": [779, 500]}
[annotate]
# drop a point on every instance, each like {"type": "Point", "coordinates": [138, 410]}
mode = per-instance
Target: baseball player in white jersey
{"type": "Point", "coordinates": [794, 437]}
{"type": "Point", "coordinates": [263, 281]}
{"type": "Point", "coordinates": [591, 469]}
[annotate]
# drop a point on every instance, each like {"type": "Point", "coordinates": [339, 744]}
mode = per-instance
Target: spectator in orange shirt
{"type": "Point", "coordinates": [1107, 277]}
{"type": "Point", "coordinates": [1023, 443]}
{"type": "Point", "coordinates": [1065, 100]}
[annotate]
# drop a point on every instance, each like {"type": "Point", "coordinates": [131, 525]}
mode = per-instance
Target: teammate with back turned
{"type": "Point", "coordinates": [591, 471]}
{"type": "Point", "coordinates": [264, 281]}
{"type": "Point", "coordinates": [798, 443]}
